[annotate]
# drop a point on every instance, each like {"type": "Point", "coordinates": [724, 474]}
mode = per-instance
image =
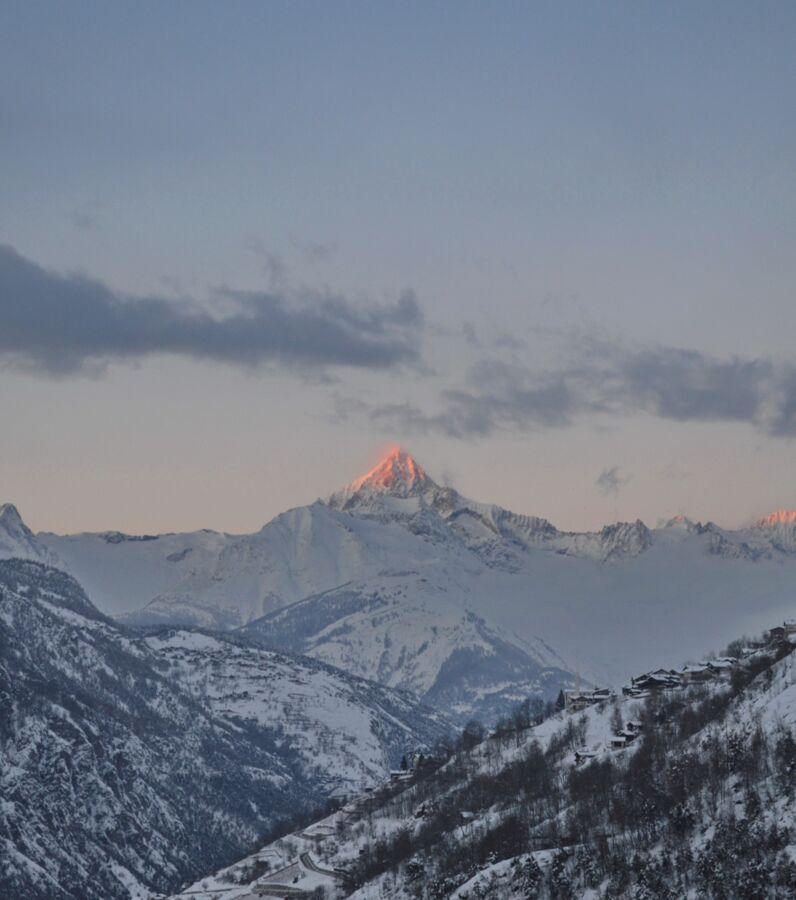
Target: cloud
{"type": "Point", "coordinates": [608, 378]}
{"type": "Point", "coordinates": [275, 269]}
{"type": "Point", "coordinates": [674, 472]}
{"type": "Point", "coordinates": [67, 324]}
{"type": "Point", "coordinates": [609, 482]}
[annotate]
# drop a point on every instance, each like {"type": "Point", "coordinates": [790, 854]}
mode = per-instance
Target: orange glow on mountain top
{"type": "Point", "coordinates": [780, 517]}
{"type": "Point", "coordinates": [396, 467]}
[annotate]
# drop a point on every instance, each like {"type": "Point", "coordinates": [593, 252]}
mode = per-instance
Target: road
{"type": "Point", "coordinates": [279, 890]}
{"type": "Point", "coordinates": [309, 863]}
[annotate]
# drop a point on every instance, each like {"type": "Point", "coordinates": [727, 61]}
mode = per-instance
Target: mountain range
{"type": "Point", "coordinates": [130, 761]}
{"type": "Point", "coordinates": [166, 699]}
{"type": "Point", "coordinates": [406, 582]}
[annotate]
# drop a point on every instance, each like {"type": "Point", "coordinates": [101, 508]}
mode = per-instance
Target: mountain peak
{"type": "Point", "coordinates": [11, 521]}
{"type": "Point", "coordinates": [397, 472]}
{"type": "Point", "coordinates": [680, 521]}
{"type": "Point", "coordinates": [9, 513]}
{"type": "Point", "coordinates": [780, 517]}
{"type": "Point", "coordinates": [17, 540]}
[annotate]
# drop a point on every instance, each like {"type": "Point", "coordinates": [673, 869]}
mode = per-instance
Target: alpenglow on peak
{"type": "Point", "coordinates": [397, 473]}
{"type": "Point", "coordinates": [780, 517]}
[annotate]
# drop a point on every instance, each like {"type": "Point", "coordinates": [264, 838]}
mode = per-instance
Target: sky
{"type": "Point", "coordinates": [548, 247]}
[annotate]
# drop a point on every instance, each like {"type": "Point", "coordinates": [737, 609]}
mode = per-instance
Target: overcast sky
{"type": "Point", "coordinates": [547, 247]}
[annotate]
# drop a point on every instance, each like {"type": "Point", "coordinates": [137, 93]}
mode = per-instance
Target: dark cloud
{"type": "Point", "coordinates": [609, 482]}
{"type": "Point", "coordinates": [608, 378]}
{"type": "Point", "coordinates": [65, 324]}
{"type": "Point", "coordinates": [687, 385]}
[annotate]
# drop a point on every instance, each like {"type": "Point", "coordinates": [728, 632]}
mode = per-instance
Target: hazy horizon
{"type": "Point", "coordinates": [373, 458]}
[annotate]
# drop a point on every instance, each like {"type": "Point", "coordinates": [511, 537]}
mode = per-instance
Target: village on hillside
{"type": "Point", "coordinates": [719, 668]}
{"type": "Point", "coordinates": [306, 862]}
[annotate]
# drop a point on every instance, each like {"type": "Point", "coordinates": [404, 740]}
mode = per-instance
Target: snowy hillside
{"type": "Point", "coordinates": [685, 793]}
{"type": "Point", "coordinates": [344, 732]}
{"type": "Point", "coordinates": [413, 633]}
{"type": "Point", "coordinates": [165, 753]}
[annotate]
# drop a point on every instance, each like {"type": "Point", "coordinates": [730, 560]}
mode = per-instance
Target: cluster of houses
{"type": "Point", "coordinates": [774, 638]}
{"type": "Point", "coordinates": [618, 741]}
{"type": "Point", "coordinates": [650, 682]}
{"type": "Point", "coordinates": [576, 700]}
{"type": "Point", "coordinates": [673, 679]}
{"type": "Point", "coordinates": [712, 669]}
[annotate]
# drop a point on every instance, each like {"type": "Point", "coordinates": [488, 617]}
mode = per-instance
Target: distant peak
{"type": "Point", "coordinates": [396, 472]}
{"type": "Point", "coordinates": [680, 521]}
{"type": "Point", "coordinates": [9, 515]}
{"type": "Point", "coordinates": [780, 517]}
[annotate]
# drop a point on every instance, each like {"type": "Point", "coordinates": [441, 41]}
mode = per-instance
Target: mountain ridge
{"type": "Point", "coordinates": [396, 532]}
{"type": "Point", "coordinates": [163, 751]}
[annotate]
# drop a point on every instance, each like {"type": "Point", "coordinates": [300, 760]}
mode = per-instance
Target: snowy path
{"type": "Point", "coordinates": [308, 862]}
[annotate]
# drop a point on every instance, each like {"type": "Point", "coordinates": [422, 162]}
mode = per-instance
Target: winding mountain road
{"type": "Point", "coordinates": [309, 863]}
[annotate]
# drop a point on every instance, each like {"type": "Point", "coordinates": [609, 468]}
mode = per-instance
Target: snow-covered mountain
{"type": "Point", "coordinates": [130, 761]}
{"type": "Point", "coordinates": [396, 533]}
{"type": "Point", "coordinates": [686, 792]}
{"type": "Point", "coordinates": [18, 541]}
{"type": "Point", "coordinates": [344, 732]}
{"type": "Point", "coordinates": [409, 632]}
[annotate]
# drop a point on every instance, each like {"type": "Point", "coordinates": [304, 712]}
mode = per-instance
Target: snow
{"type": "Point", "coordinates": [593, 597]}
{"type": "Point", "coordinates": [768, 701]}
{"type": "Point", "coordinates": [335, 725]}
{"type": "Point", "coordinates": [118, 733]}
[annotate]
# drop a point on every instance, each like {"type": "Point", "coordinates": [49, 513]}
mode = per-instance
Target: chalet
{"type": "Point", "coordinates": [722, 667]}
{"type": "Point", "coordinates": [635, 692]}
{"type": "Point", "coordinates": [634, 728]}
{"type": "Point", "coordinates": [697, 674]}
{"type": "Point", "coordinates": [402, 775]}
{"type": "Point", "coordinates": [583, 756]}
{"type": "Point", "coordinates": [600, 694]}
{"type": "Point", "coordinates": [574, 701]}
{"type": "Point", "coordinates": [659, 680]}
{"type": "Point", "coordinates": [776, 635]}
{"type": "Point", "coordinates": [618, 742]}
